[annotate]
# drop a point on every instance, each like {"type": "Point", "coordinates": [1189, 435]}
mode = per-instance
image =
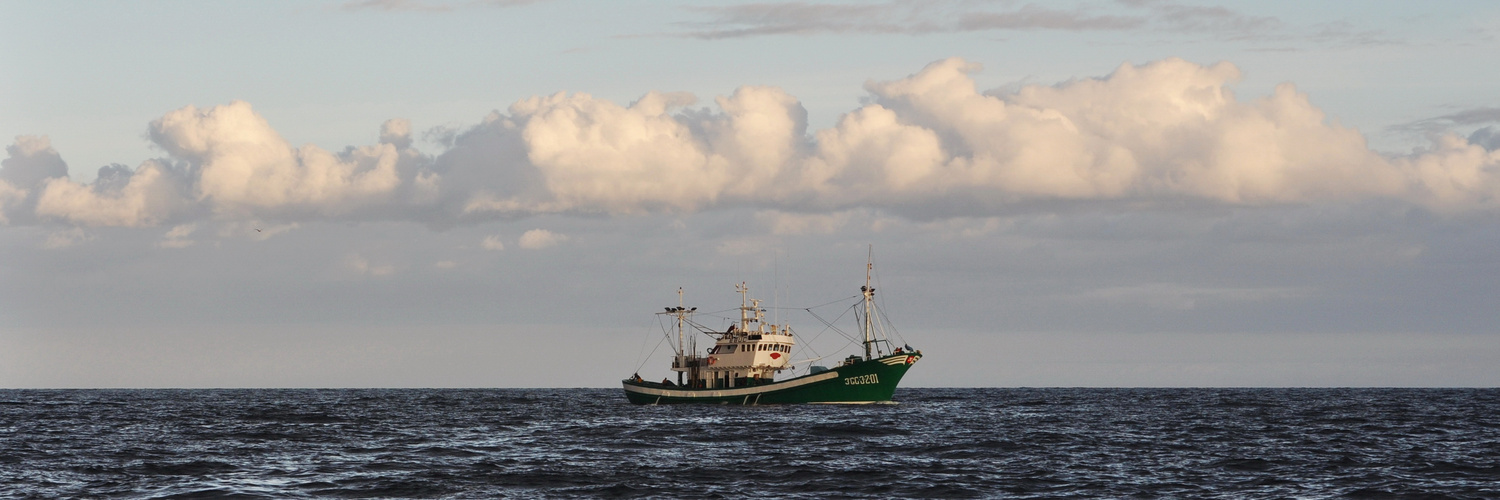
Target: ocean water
{"type": "Point", "coordinates": [959, 443]}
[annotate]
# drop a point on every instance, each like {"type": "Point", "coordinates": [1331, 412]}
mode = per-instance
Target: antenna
{"type": "Point", "coordinates": [869, 264]}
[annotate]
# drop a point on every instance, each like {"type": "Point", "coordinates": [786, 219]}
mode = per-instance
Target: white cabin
{"type": "Point", "coordinates": [751, 352]}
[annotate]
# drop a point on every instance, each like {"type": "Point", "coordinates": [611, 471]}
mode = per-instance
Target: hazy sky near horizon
{"type": "Point", "coordinates": [404, 193]}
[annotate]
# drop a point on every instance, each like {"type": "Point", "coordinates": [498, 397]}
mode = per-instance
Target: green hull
{"type": "Point", "coordinates": [870, 381]}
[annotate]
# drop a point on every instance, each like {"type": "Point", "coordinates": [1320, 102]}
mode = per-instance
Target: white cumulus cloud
{"type": "Point", "coordinates": [932, 143]}
{"type": "Point", "coordinates": [928, 145]}
{"type": "Point", "coordinates": [29, 164]}
{"type": "Point", "coordinates": [9, 196]}
{"type": "Point", "coordinates": [243, 164]}
{"type": "Point", "coordinates": [30, 161]}
{"type": "Point", "coordinates": [1169, 129]}
{"type": "Point", "coordinates": [66, 238]}
{"type": "Point", "coordinates": [537, 239]}
{"type": "Point", "coordinates": [177, 237]}
{"type": "Point", "coordinates": [593, 155]}
{"type": "Point", "coordinates": [146, 196]}
{"type": "Point", "coordinates": [361, 265]}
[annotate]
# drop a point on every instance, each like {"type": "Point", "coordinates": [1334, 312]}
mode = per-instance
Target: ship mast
{"type": "Point", "coordinates": [681, 354]}
{"type": "Point", "coordinates": [686, 360]}
{"type": "Point", "coordinates": [869, 293]}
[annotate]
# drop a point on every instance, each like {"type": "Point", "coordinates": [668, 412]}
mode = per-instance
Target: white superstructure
{"type": "Point", "coordinates": [751, 352]}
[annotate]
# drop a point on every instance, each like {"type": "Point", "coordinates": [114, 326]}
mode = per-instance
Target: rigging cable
{"type": "Point", "coordinates": [824, 304]}
{"type": "Point", "coordinates": [804, 347]}
{"type": "Point", "coordinates": [641, 351]}
{"type": "Point", "coordinates": [894, 332]}
{"type": "Point", "coordinates": [665, 335]}
{"type": "Point", "coordinates": [831, 326]}
{"type": "Point", "coordinates": [881, 311]}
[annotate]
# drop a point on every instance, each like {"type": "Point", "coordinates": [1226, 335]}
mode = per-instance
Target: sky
{"type": "Point", "coordinates": [409, 193]}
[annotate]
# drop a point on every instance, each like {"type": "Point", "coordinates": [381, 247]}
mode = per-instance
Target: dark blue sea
{"type": "Point", "coordinates": [934, 443]}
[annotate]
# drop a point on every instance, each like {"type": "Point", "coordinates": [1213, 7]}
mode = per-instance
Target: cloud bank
{"type": "Point", "coordinates": [918, 18]}
{"type": "Point", "coordinates": [939, 16]}
{"type": "Point", "coordinates": [929, 144]}
{"type": "Point", "coordinates": [929, 17]}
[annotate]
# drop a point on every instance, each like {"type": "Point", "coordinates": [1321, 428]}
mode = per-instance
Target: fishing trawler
{"type": "Point", "coordinates": [742, 365]}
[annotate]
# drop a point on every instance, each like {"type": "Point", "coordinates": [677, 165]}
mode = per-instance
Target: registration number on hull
{"type": "Point", "coordinates": [862, 380]}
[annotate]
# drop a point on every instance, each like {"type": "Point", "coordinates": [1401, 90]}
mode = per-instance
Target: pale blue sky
{"type": "Point", "coordinates": [91, 75]}
{"type": "Point", "coordinates": [1306, 285]}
